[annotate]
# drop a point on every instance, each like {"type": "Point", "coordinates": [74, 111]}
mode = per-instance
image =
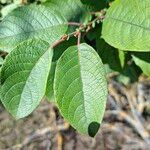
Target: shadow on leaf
{"type": "Point", "coordinates": [93, 128]}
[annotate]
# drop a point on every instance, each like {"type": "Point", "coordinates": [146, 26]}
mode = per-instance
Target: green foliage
{"type": "Point", "coordinates": [44, 54]}
{"type": "Point", "coordinates": [29, 22]}
{"type": "Point", "coordinates": [11, 5]}
{"type": "Point", "coordinates": [81, 88]}
{"type": "Point", "coordinates": [143, 61]}
{"type": "Point", "coordinates": [58, 51]}
{"type": "Point", "coordinates": [109, 55]}
{"type": "Point", "coordinates": [129, 74]}
{"type": "Point", "coordinates": [71, 9]}
{"type": "Point", "coordinates": [95, 5]}
{"type": "Point", "coordinates": [1, 61]}
{"type": "Point", "coordinates": [126, 25]}
{"type": "Point", "coordinates": [50, 82]}
{"type": "Point", "coordinates": [24, 77]}
{"type": "Point", "coordinates": [122, 57]}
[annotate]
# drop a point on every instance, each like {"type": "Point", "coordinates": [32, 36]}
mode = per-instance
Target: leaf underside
{"type": "Point", "coordinates": [27, 22]}
{"type": "Point", "coordinates": [24, 77]}
{"type": "Point", "coordinates": [80, 88]}
{"type": "Point", "coordinates": [50, 82]}
{"type": "Point", "coordinates": [126, 25]}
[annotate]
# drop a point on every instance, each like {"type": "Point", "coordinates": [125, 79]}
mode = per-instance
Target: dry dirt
{"type": "Point", "coordinates": [126, 125]}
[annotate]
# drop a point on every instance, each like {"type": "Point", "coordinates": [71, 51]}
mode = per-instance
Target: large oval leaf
{"type": "Point", "coordinates": [126, 25]}
{"type": "Point", "coordinates": [24, 77]}
{"type": "Point", "coordinates": [80, 88]}
{"type": "Point", "coordinates": [143, 61]}
{"type": "Point", "coordinates": [29, 22]}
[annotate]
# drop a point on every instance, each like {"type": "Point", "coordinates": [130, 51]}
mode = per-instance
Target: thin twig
{"type": "Point", "coordinates": [62, 39]}
{"type": "Point", "coordinates": [74, 24]}
{"type": "Point", "coordinates": [79, 39]}
{"type": "Point", "coordinates": [77, 33]}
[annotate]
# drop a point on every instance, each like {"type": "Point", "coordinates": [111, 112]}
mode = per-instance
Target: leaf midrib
{"type": "Point", "coordinates": [36, 31]}
{"type": "Point", "coordinates": [127, 22]}
{"type": "Point", "coordinates": [80, 70]}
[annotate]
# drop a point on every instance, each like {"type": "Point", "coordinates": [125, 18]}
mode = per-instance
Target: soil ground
{"type": "Point", "coordinates": [126, 125]}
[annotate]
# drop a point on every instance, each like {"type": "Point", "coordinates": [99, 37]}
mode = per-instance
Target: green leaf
{"type": "Point", "coordinates": [59, 49]}
{"type": "Point", "coordinates": [50, 82]}
{"type": "Point", "coordinates": [80, 88]}
{"type": "Point", "coordinates": [1, 60]}
{"type": "Point", "coordinates": [109, 56]}
{"type": "Point", "coordinates": [122, 57]}
{"type": "Point", "coordinates": [95, 33]}
{"type": "Point", "coordinates": [126, 25]}
{"type": "Point", "coordinates": [34, 21]}
{"type": "Point", "coordinates": [129, 74]}
{"type": "Point", "coordinates": [71, 9]}
{"type": "Point", "coordinates": [24, 77]}
{"type": "Point", "coordinates": [143, 61]}
{"type": "Point", "coordinates": [95, 5]}
{"type": "Point", "coordinates": [8, 8]}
